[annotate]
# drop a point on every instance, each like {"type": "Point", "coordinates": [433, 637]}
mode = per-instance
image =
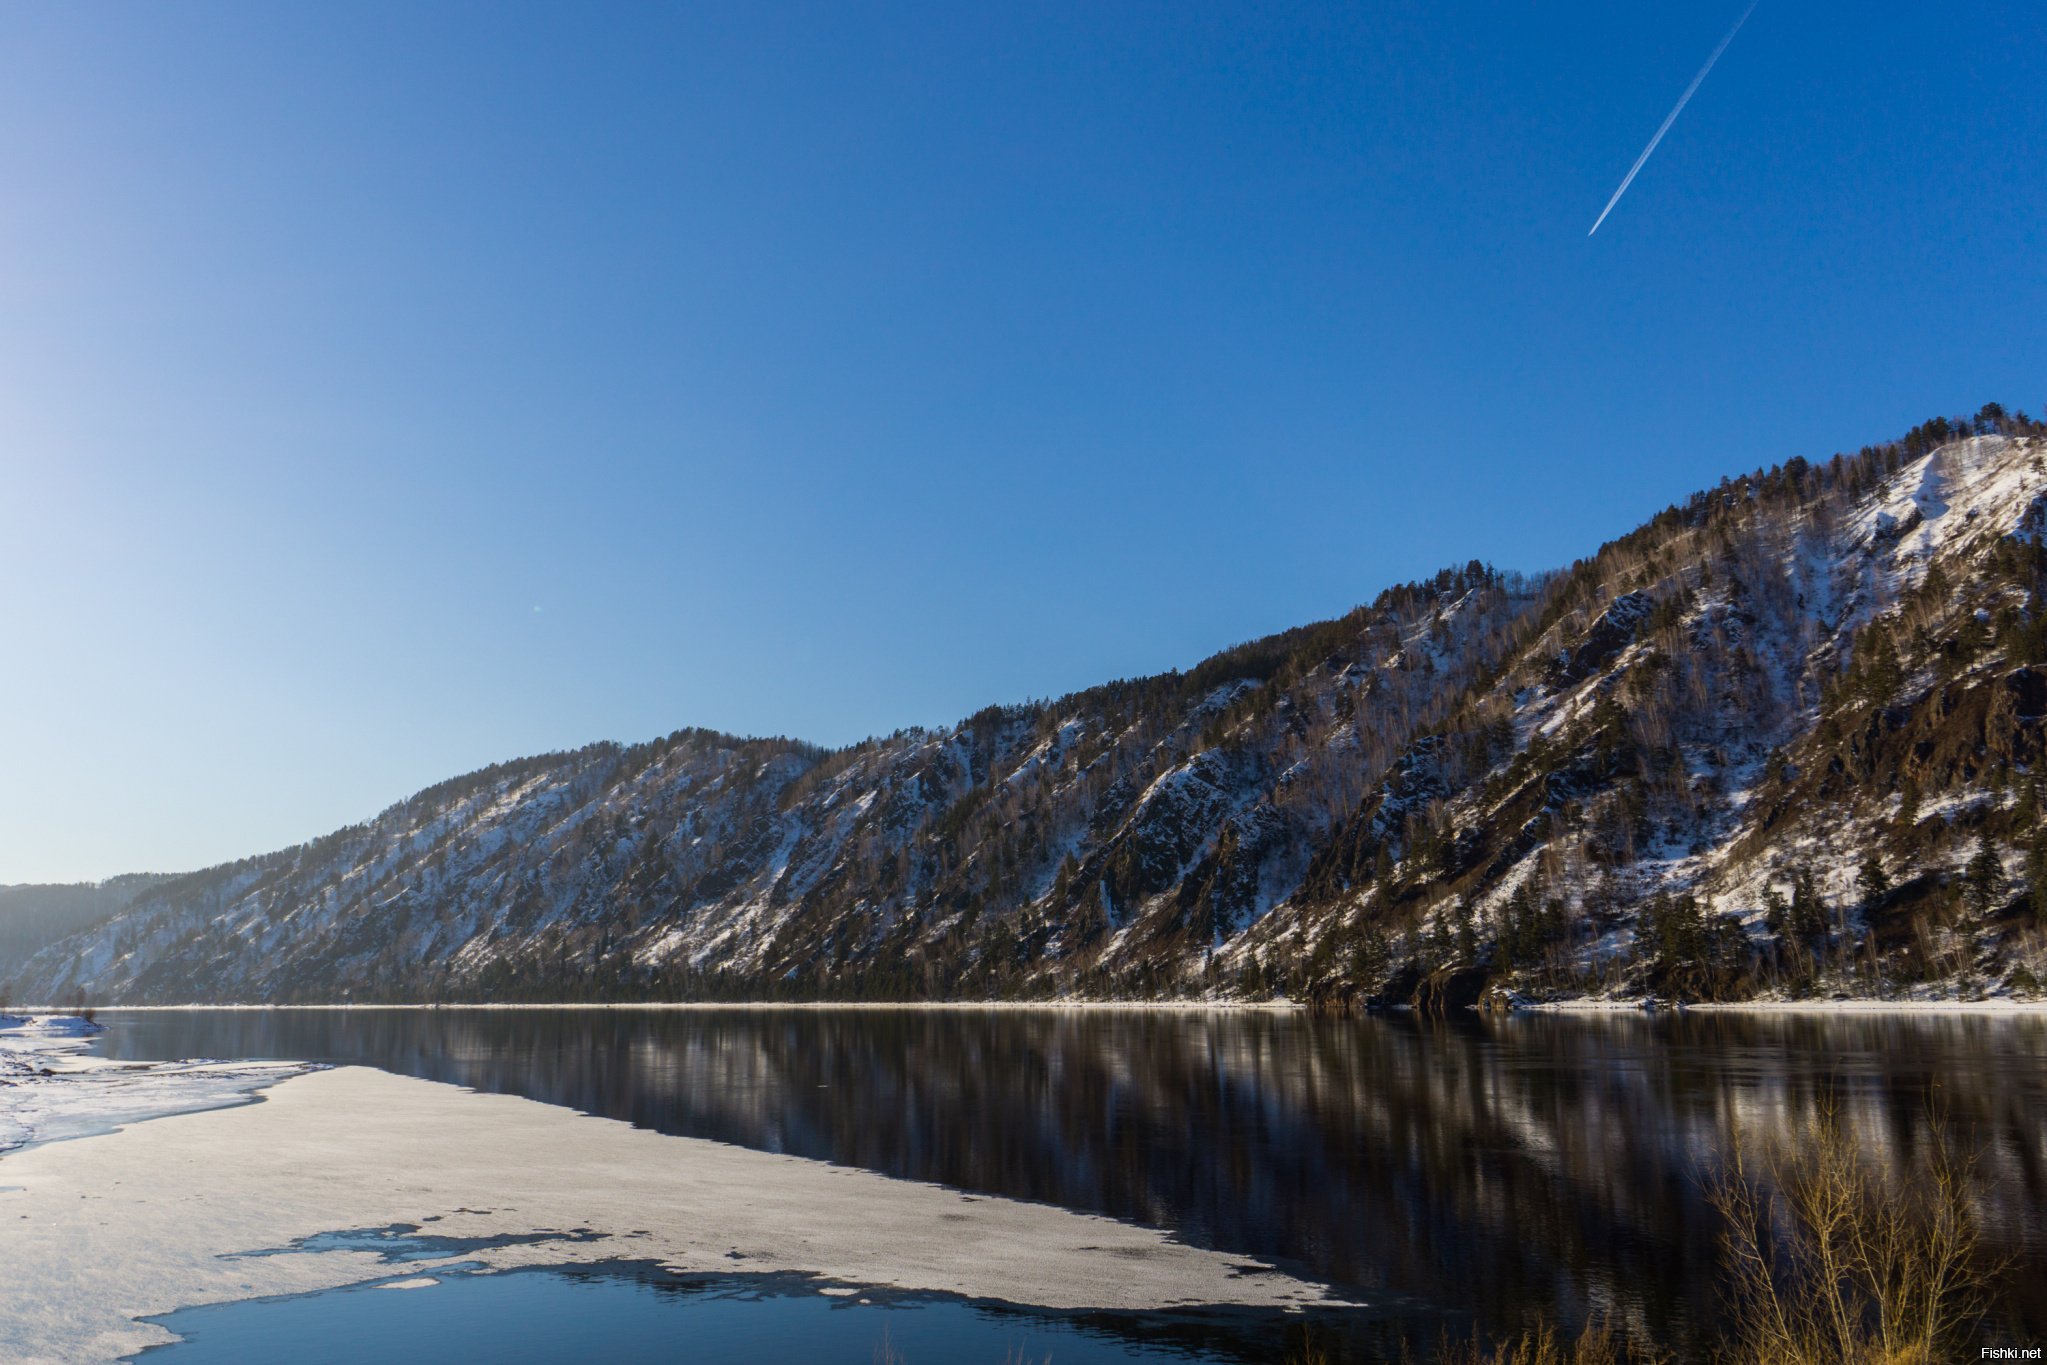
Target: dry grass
{"type": "Point", "coordinates": [1834, 1259]}
{"type": "Point", "coordinates": [1309, 1354]}
{"type": "Point", "coordinates": [1596, 1345]}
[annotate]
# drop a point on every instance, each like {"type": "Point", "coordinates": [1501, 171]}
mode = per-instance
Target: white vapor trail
{"type": "Point", "coordinates": [1682, 100]}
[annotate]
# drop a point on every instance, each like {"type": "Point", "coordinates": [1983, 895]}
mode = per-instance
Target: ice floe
{"type": "Point", "coordinates": [260, 1200]}
{"type": "Point", "coordinates": [50, 1088]}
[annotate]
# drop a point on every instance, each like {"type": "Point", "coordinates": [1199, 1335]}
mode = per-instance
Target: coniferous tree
{"type": "Point", "coordinates": [1908, 805]}
{"type": "Point", "coordinates": [1808, 911]}
{"type": "Point", "coordinates": [1438, 946]}
{"type": "Point", "coordinates": [1881, 674]}
{"type": "Point", "coordinates": [1372, 958]}
{"type": "Point", "coordinates": [2036, 872]}
{"type": "Point", "coordinates": [1983, 880]}
{"type": "Point", "coordinates": [1776, 913]}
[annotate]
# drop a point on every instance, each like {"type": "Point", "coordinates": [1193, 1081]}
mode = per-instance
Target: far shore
{"type": "Point", "coordinates": [1787, 1007]}
{"type": "Point", "coordinates": [956, 1006]}
{"type": "Point", "coordinates": [1582, 1006]}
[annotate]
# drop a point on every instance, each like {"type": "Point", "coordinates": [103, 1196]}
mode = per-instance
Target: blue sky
{"type": "Point", "coordinates": [390, 389]}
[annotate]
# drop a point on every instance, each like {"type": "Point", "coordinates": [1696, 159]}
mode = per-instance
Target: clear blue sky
{"type": "Point", "coordinates": [390, 389]}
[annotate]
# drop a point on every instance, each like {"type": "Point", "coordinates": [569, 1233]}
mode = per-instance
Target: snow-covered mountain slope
{"type": "Point", "coordinates": [1760, 745]}
{"type": "Point", "coordinates": [1602, 778]}
{"type": "Point", "coordinates": [33, 917]}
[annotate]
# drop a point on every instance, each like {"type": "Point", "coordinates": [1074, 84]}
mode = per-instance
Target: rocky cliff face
{"type": "Point", "coordinates": [1783, 738]}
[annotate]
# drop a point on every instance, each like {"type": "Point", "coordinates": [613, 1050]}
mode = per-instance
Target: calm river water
{"type": "Point", "coordinates": [1481, 1173]}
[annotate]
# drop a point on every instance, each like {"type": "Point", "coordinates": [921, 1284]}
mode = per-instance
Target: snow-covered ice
{"type": "Point", "coordinates": [50, 1088]}
{"type": "Point", "coordinates": [230, 1204]}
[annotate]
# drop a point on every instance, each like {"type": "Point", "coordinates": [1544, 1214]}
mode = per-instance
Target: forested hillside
{"type": "Point", "coordinates": [33, 917]}
{"type": "Point", "coordinates": [1782, 739]}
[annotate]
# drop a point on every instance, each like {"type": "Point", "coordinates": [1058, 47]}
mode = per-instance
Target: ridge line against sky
{"type": "Point", "coordinates": [942, 724]}
{"type": "Point", "coordinates": [385, 390]}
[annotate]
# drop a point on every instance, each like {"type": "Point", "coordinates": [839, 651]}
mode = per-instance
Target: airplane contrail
{"type": "Point", "coordinates": [1682, 100]}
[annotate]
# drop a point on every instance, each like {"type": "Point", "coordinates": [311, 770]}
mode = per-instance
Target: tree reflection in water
{"type": "Point", "coordinates": [1501, 1169]}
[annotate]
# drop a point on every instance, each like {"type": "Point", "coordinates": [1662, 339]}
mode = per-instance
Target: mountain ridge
{"type": "Point", "coordinates": [1609, 778]}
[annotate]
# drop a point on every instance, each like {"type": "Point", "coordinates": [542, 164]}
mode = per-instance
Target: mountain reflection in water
{"type": "Point", "coordinates": [1497, 1169]}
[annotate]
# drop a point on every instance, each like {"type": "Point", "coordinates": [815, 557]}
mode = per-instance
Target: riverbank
{"type": "Point", "coordinates": [1579, 1006]}
{"type": "Point", "coordinates": [1020, 1006]}
{"type": "Point", "coordinates": [52, 1089]}
{"type": "Point", "coordinates": [1994, 1007]}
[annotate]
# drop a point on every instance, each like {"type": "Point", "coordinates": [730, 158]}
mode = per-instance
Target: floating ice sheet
{"type": "Point", "coordinates": [50, 1088]}
{"type": "Point", "coordinates": [246, 1203]}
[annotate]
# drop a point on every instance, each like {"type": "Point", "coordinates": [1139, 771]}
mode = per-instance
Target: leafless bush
{"type": "Point", "coordinates": [1834, 1259]}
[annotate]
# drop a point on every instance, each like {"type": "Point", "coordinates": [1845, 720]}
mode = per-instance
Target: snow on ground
{"type": "Point", "coordinates": [49, 1090]}
{"type": "Point", "coordinates": [218, 1206]}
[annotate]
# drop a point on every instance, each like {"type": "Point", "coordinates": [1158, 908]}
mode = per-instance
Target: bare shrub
{"type": "Point", "coordinates": [1834, 1259]}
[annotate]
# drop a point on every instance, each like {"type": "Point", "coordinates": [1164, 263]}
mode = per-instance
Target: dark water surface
{"type": "Point", "coordinates": [1487, 1172]}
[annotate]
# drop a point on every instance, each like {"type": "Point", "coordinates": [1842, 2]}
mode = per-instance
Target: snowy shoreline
{"type": "Point", "coordinates": [1579, 1006]}
{"type": "Point", "coordinates": [2015, 1008]}
{"type": "Point", "coordinates": [955, 1006]}
{"type": "Point", "coordinates": [51, 1090]}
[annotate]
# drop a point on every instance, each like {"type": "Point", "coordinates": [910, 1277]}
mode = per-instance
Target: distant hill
{"type": "Point", "coordinates": [34, 917]}
{"type": "Point", "coordinates": [1783, 739]}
